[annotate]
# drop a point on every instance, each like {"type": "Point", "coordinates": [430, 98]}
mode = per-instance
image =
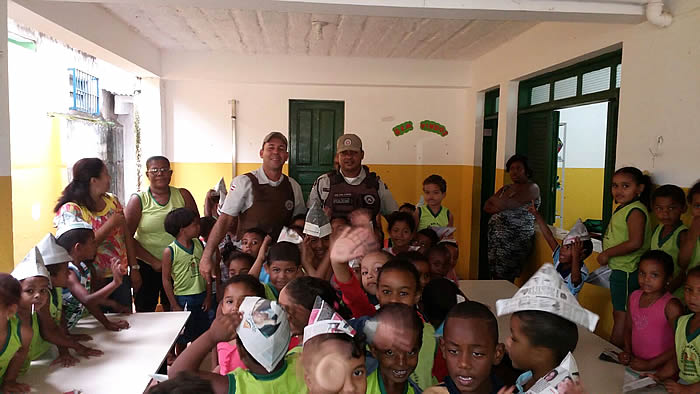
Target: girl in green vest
{"type": "Point", "coordinates": [689, 253]}
{"type": "Point", "coordinates": [14, 351]}
{"type": "Point", "coordinates": [627, 237]}
{"type": "Point", "coordinates": [686, 358]}
{"type": "Point", "coordinates": [668, 203]}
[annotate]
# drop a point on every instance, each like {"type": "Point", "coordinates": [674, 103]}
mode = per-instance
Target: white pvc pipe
{"type": "Point", "coordinates": [656, 14]}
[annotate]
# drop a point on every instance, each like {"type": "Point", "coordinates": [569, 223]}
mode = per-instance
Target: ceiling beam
{"type": "Point", "coordinates": [91, 29]}
{"type": "Point", "coordinates": [611, 11]}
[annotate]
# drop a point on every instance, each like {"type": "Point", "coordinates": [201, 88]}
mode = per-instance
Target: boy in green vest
{"type": "Point", "coordinates": [668, 204]}
{"type": "Point", "coordinates": [432, 213]}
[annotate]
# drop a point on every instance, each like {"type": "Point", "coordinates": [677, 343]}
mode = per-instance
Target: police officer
{"type": "Point", "coordinates": [264, 198]}
{"type": "Point", "coordinates": [353, 185]}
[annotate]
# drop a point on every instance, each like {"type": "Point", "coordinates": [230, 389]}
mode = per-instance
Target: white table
{"type": "Point", "coordinates": [129, 356]}
{"type": "Point", "coordinates": [599, 377]}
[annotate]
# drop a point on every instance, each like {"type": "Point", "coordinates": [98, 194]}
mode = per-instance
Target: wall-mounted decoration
{"type": "Point", "coordinates": [433, 127]}
{"type": "Point", "coordinates": [403, 128]}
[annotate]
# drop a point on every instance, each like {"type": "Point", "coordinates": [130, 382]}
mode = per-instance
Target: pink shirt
{"type": "Point", "coordinates": [652, 334]}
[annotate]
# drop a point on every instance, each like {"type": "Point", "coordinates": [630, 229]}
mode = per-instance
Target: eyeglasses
{"type": "Point", "coordinates": [154, 171]}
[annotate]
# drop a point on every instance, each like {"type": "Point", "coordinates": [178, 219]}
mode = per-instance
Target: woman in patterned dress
{"type": "Point", "coordinates": [511, 227]}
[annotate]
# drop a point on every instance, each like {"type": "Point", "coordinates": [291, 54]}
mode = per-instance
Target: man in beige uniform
{"type": "Point", "coordinates": [264, 198]}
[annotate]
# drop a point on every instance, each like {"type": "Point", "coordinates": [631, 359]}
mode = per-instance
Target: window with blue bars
{"type": "Point", "coordinates": [85, 93]}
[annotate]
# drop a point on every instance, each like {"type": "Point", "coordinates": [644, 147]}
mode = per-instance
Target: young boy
{"type": "Point", "coordinates": [568, 258]}
{"type": "Point", "coordinates": [689, 254]}
{"type": "Point", "coordinates": [470, 347]}
{"type": "Point", "coordinates": [432, 213]}
{"type": "Point", "coordinates": [420, 261]}
{"type": "Point", "coordinates": [185, 287]}
{"type": "Point", "coordinates": [251, 243]}
{"type": "Point", "coordinates": [263, 335]}
{"type": "Point", "coordinates": [685, 362]}
{"type": "Point", "coordinates": [282, 265]}
{"type": "Point", "coordinates": [668, 204]}
{"type": "Point", "coordinates": [401, 227]}
{"type": "Point", "coordinates": [440, 261]}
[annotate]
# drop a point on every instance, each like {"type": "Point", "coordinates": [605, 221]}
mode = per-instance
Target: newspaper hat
{"type": "Point", "coordinates": [264, 331]}
{"type": "Point", "coordinates": [31, 265]}
{"type": "Point", "coordinates": [51, 252]}
{"type": "Point", "coordinates": [580, 231]}
{"type": "Point", "coordinates": [67, 221]}
{"type": "Point", "coordinates": [289, 235]}
{"type": "Point", "coordinates": [546, 291]}
{"type": "Point", "coordinates": [317, 223]}
{"type": "Point", "coordinates": [443, 232]}
{"type": "Point", "coordinates": [325, 320]}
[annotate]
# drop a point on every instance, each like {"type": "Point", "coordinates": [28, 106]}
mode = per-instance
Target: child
{"type": "Point", "coordinates": [396, 365]}
{"type": "Point", "coordinates": [206, 224]}
{"type": "Point", "coordinates": [314, 256]}
{"type": "Point", "coordinates": [15, 348]}
{"type": "Point", "coordinates": [432, 213]}
{"type": "Point", "coordinates": [251, 243]}
{"type": "Point", "coordinates": [626, 239]}
{"type": "Point", "coordinates": [262, 333]}
{"type": "Point", "coordinates": [282, 265]}
{"type": "Point", "coordinates": [184, 382]}
{"type": "Point", "coordinates": [651, 315]}
{"type": "Point", "coordinates": [408, 208]}
{"type": "Point", "coordinates": [471, 349]}
{"type": "Point", "coordinates": [236, 290]}
{"type": "Point", "coordinates": [452, 246]}
{"type": "Point", "coordinates": [401, 227]}
{"type": "Point", "coordinates": [369, 270]}
{"type": "Point", "coordinates": [360, 295]}
{"type": "Point", "coordinates": [425, 239]}
{"type": "Point", "coordinates": [298, 220]}
{"type": "Point", "coordinates": [685, 362]}
{"type": "Point", "coordinates": [568, 258]}
{"type": "Point", "coordinates": [238, 263]}
{"type": "Point", "coordinates": [440, 261]}
{"type": "Point", "coordinates": [78, 239]}
{"type": "Point", "coordinates": [668, 203]}
{"type": "Point", "coordinates": [421, 263]}
{"type": "Point", "coordinates": [33, 307]}
{"type": "Point", "coordinates": [689, 254]}
{"type": "Point", "coordinates": [334, 354]}
{"type": "Point", "coordinates": [185, 287]}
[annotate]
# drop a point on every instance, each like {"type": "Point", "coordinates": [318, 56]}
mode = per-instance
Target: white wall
{"type": "Point", "coordinates": [198, 126]}
{"type": "Point", "coordinates": [585, 135]}
{"type": "Point", "coordinates": [660, 88]}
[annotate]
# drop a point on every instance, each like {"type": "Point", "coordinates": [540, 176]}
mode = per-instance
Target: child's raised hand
{"type": "Point", "coordinates": [11, 386]}
{"type": "Point", "coordinates": [577, 247]}
{"type": "Point", "coordinates": [351, 243]}
{"type": "Point", "coordinates": [117, 270]}
{"type": "Point", "coordinates": [223, 329]}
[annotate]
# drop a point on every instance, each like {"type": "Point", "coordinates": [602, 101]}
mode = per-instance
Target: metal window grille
{"type": "Point", "coordinates": [85, 92]}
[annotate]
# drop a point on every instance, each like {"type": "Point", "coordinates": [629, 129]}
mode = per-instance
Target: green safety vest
{"type": "Point", "coordinates": [617, 233]}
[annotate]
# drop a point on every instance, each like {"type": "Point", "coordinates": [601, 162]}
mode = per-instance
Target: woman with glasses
{"type": "Point", "coordinates": [145, 215]}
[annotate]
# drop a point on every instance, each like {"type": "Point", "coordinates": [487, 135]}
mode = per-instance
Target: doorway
{"type": "Point", "coordinates": [488, 174]}
{"type": "Point", "coordinates": [314, 127]}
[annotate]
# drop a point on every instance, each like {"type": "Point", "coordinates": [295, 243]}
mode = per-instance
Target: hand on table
{"type": "Point", "coordinates": [80, 337]}
{"type": "Point", "coordinates": [117, 325]}
{"type": "Point", "coordinates": [65, 360]}
{"type": "Point", "coordinates": [640, 365]}
{"type": "Point", "coordinates": [624, 358]}
{"type": "Point", "coordinates": [176, 308]}
{"type": "Point", "coordinates": [674, 387]}
{"type": "Point", "coordinates": [12, 387]}
{"type": "Point", "coordinates": [88, 352]}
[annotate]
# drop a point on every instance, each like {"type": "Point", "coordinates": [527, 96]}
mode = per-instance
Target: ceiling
{"type": "Point", "coordinates": [246, 31]}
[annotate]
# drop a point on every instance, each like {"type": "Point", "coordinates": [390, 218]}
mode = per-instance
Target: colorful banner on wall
{"type": "Point", "coordinates": [403, 128]}
{"type": "Point", "coordinates": [433, 127]}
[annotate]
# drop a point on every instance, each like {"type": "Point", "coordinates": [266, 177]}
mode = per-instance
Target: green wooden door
{"type": "Point", "coordinates": [314, 127]}
{"type": "Point", "coordinates": [537, 139]}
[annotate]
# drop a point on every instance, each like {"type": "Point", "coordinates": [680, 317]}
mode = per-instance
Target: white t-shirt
{"type": "Point", "coordinates": [240, 195]}
{"type": "Point", "coordinates": [320, 190]}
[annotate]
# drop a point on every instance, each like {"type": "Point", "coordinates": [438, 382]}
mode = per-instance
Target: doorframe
{"type": "Point", "coordinates": [491, 109]}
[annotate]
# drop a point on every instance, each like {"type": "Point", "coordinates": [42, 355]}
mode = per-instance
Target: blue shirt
{"type": "Point", "coordinates": [566, 273]}
{"type": "Point", "coordinates": [264, 277]}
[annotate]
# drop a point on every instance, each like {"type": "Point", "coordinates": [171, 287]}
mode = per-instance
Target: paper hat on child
{"type": "Point", "coordinates": [31, 265]}
{"type": "Point", "coordinates": [317, 223]}
{"type": "Point", "coordinates": [51, 252]}
{"type": "Point", "coordinates": [264, 331]}
{"type": "Point", "coordinates": [67, 221]}
{"type": "Point", "coordinates": [578, 231]}
{"type": "Point", "coordinates": [546, 291]}
{"type": "Point", "coordinates": [289, 235]}
{"type": "Point", "coordinates": [325, 320]}
{"type": "Point", "coordinates": [443, 232]}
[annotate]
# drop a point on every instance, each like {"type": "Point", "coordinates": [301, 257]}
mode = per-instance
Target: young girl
{"type": "Point", "coordinates": [396, 364]}
{"type": "Point", "coordinates": [347, 352]}
{"type": "Point", "coordinates": [236, 289]}
{"type": "Point", "coordinates": [401, 227]}
{"type": "Point", "coordinates": [685, 362]}
{"type": "Point", "coordinates": [15, 350]}
{"type": "Point", "coordinates": [182, 282]}
{"type": "Point", "coordinates": [651, 315]}
{"type": "Point", "coordinates": [627, 237]}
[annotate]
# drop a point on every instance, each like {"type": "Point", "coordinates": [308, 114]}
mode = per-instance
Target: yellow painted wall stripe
{"type": "Point", "coordinates": [6, 243]}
